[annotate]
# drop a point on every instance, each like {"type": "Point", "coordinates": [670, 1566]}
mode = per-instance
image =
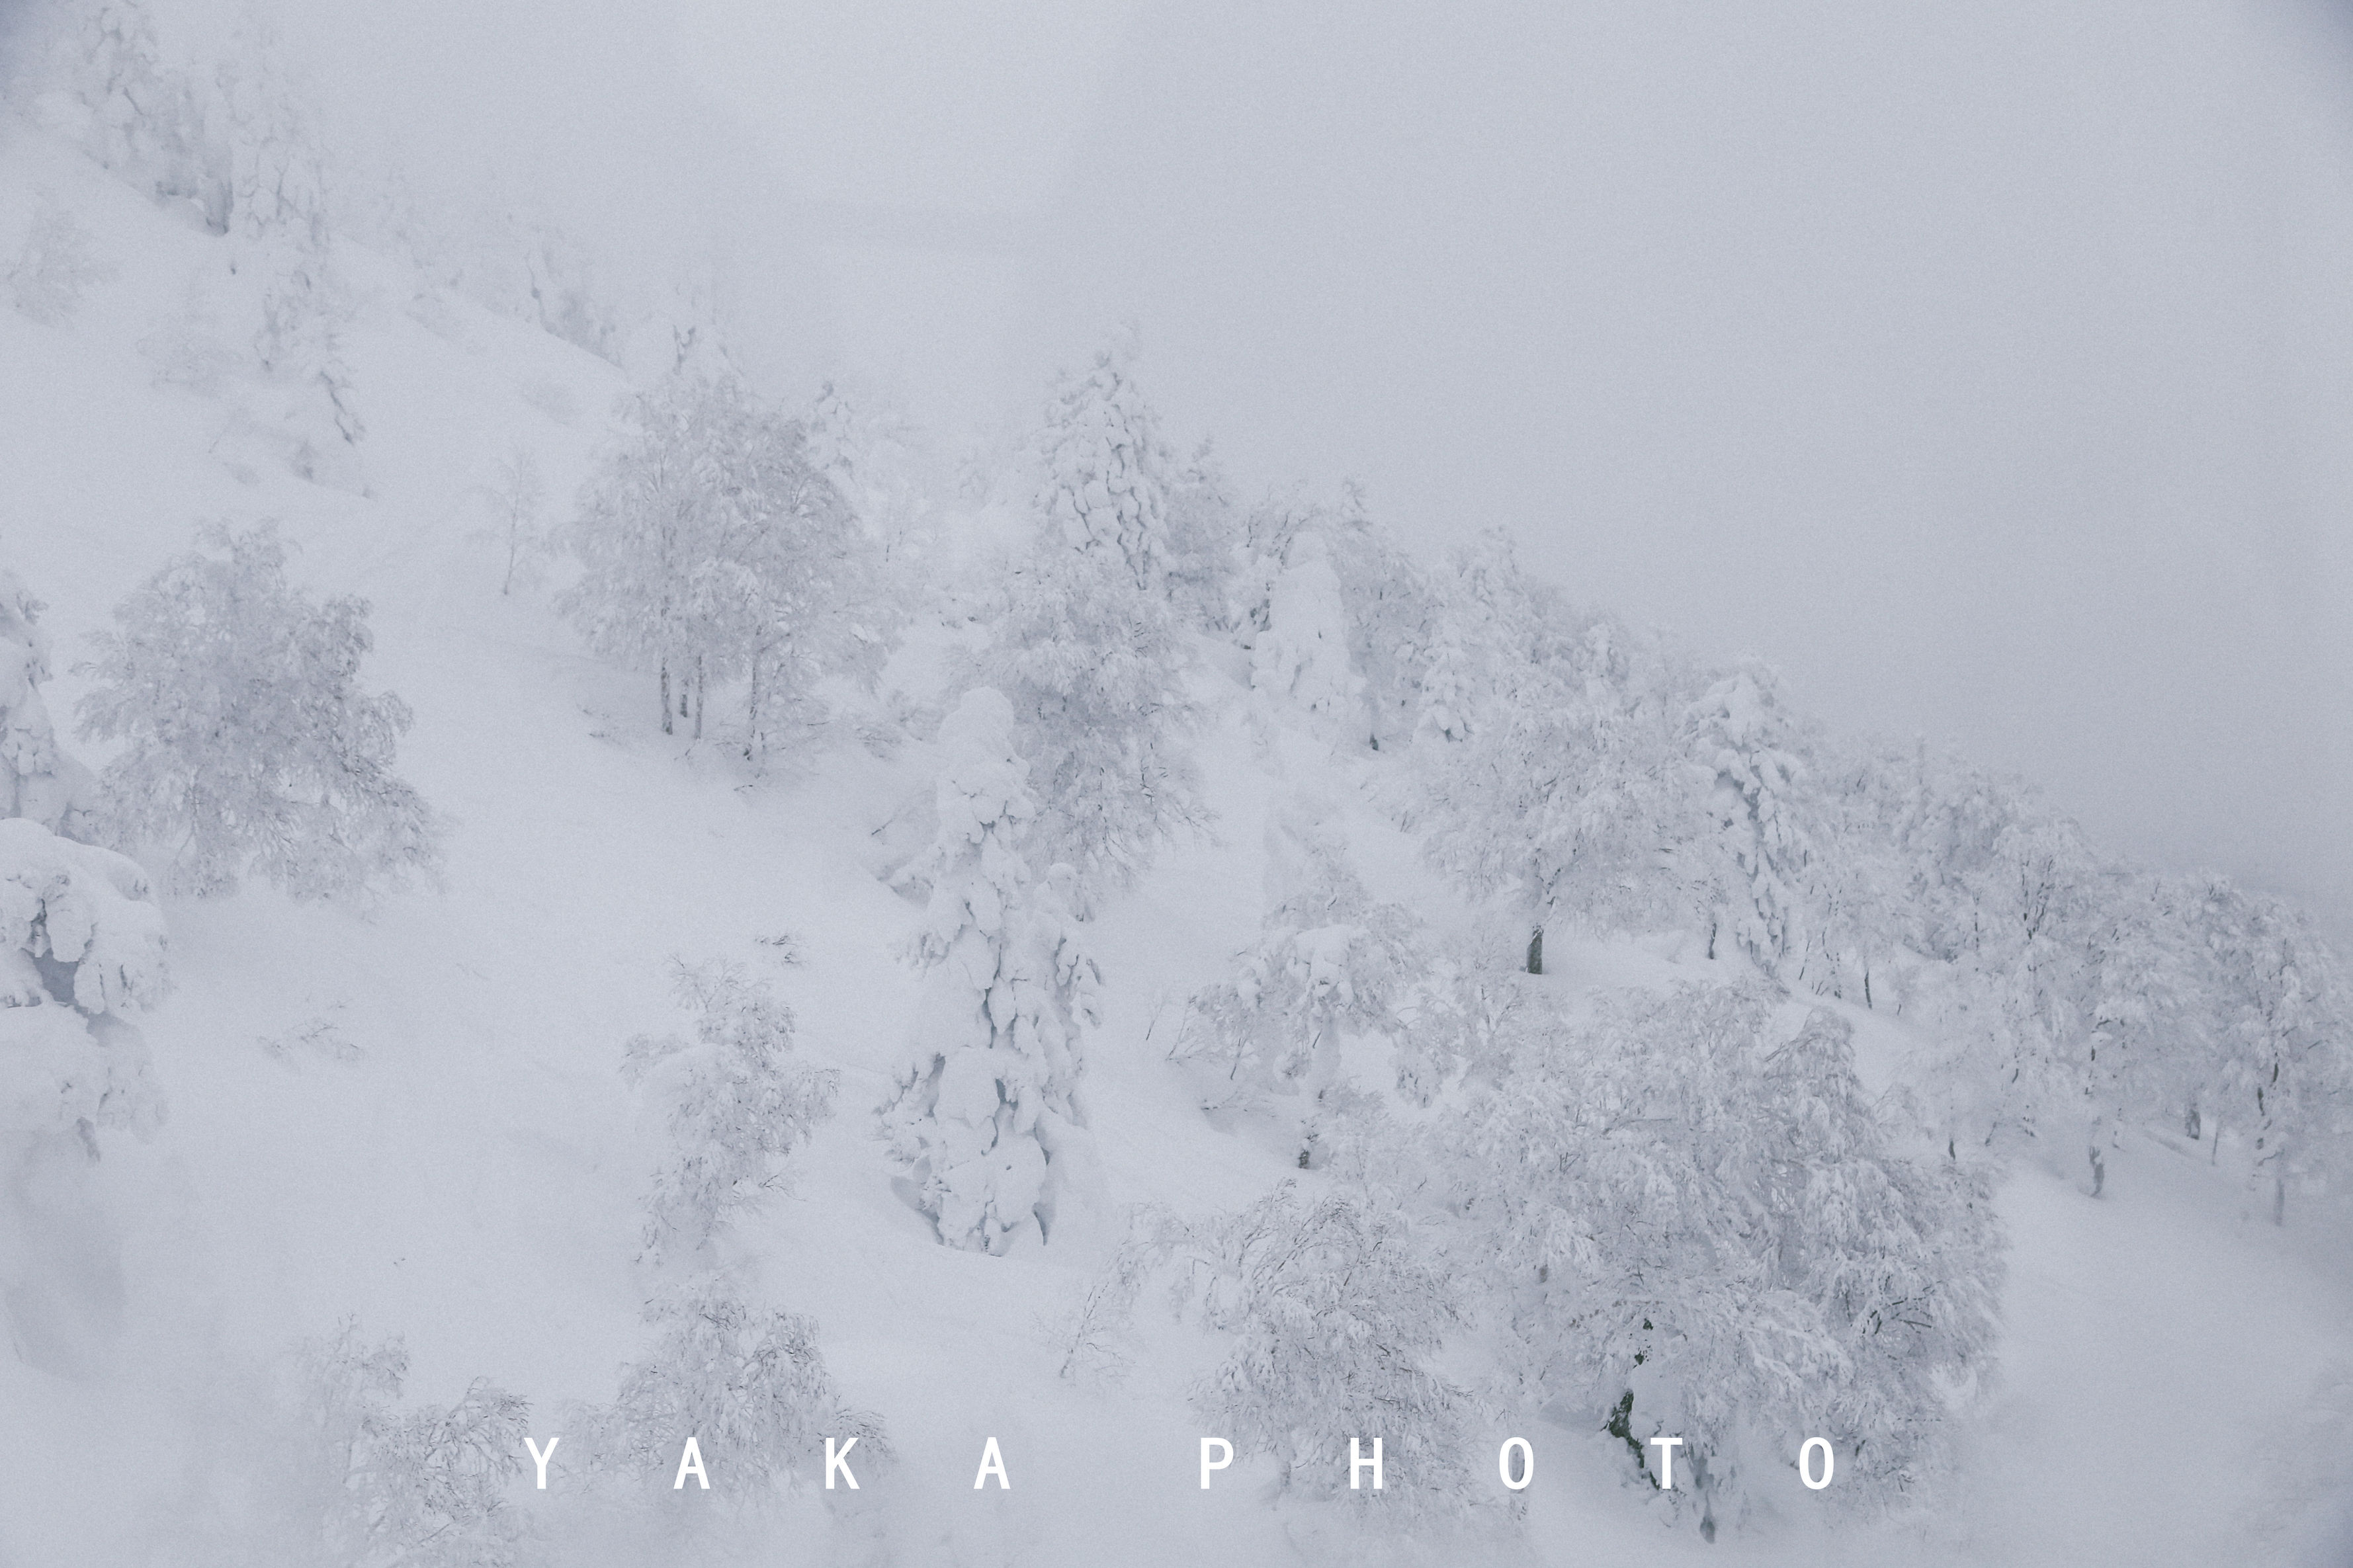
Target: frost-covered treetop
{"type": "Point", "coordinates": [1105, 473]}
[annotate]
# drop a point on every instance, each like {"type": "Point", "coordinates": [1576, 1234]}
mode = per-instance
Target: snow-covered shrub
{"type": "Point", "coordinates": [247, 743]}
{"type": "Point", "coordinates": [84, 955]}
{"type": "Point", "coordinates": [749, 1384]}
{"type": "Point", "coordinates": [1336, 1317]}
{"type": "Point", "coordinates": [982, 1114]}
{"type": "Point", "coordinates": [715, 549]}
{"type": "Point", "coordinates": [1329, 962]}
{"type": "Point", "coordinates": [403, 1486]}
{"type": "Point", "coordinates": [1694, 1224]}
{"type": "Point", "coordinates": [733, 1101]}
{"type": "Point", "coordinates": [55, 265]}
{"type": "Point", "coordinates": [38, 780]}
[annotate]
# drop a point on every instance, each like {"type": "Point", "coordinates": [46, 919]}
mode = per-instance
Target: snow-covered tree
{"type": "Point", "coordinates": [733, 1101]}
{"type": "Point", "coordinates": [1754, 859]}
{"type": "Point", "coordinates": [2280, 1013]}
{"type": "Point", "coordinates": [1337, 1314]}
{"type": "Point", "coordinates": [247, 744]}
{"type": "Point", "coordinates": [1329, 963]}
{"type": "Point", "coordinates": [749, 1384]}
{"type": "Point", "coordinates": [518, 499]}
{"type": "Point", "coordinates": [1087, 647]}
{"type": "Point", "coordinates": [1553, 797]}
{"type": "Point", "coordinates": [1104, 475]}
{"type": "Point", "coordinates": [55, 265]}
{"type": "Point", "coordinates": [1302, 655]}
{"type": "Point", "coordinates": [1695, 1222]}
{"type": "Point", "coordinates": [715, 550]}
{"type": "Point", "coordinates": [38, 780]}
{"type": "Point", "coordinates": [1203, 536]}
{"type": "Point", "coordinates": [983, 1112]}
{"type": "Point", "coordinates": [305, 310]}
{"type": "Point", "coordinates": [152, 120]}
{"type": "Point", "coordinates": [401, 1485]}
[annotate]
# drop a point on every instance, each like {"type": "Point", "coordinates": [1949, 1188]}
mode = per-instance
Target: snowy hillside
{"type": "Point", "coordinates": [1282, 938]}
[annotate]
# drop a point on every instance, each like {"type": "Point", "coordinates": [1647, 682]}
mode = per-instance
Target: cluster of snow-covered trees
{"type": "Point", "coordinates": [714, 551]}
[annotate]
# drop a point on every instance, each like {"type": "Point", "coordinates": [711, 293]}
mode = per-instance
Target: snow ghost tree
{"type": "Point", "coordinates": [714, 549]}
{"type": "Point", "coordinates": [55, 265]}
{"type": "Point", "coordinates": [733, 1101]}
{"type": "Point", "coordinates": [247, 744]}
{"type": "Point", "coordinates": [989, 1105]}
{"type": "Point", "coordinates": [1700, 1226]}
{"type": "Point", "coordinates": [1088, 650]}
{"type": "Point", "coordinates": [83, 947]}
{"type": "Point", "coordinates": [39, 783]}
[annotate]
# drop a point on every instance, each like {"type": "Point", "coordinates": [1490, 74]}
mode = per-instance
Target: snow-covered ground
{"type": "Point", "coordinates": [412, 1114]}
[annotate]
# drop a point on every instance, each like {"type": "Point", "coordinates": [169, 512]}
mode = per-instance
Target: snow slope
{"type": "Point", "coordinates": [452, 1155]}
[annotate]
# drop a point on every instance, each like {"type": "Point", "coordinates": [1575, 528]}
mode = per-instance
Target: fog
{"type": "Point", "coordinates": [1987, 368]}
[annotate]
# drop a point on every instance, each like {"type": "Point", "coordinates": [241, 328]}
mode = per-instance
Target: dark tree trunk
{"type": "Point", "coordinates": [2099, 1170]}
{"type": "Point", "coordinates": [665, 696]}
{"type": "Point", "coordinates": [1536, 952]}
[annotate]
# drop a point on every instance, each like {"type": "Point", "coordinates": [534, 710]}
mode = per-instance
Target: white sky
{"type": "Point", "coordinates": [1989, 368]}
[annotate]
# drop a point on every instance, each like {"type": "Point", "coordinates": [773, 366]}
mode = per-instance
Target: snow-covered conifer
{"type": "Point", "coordinates": [1094, 672]}
{"type": "Point", "coordinates": [305, 310]}
{"type": "Point", "coordinates": [153, 121]}
{"type": "Point", "coordinates": [1087, 647]}
{"type": "Point", "coordinates": [38, 780]}
{"type": "Point", "coordinates": [55, 265]}
{"type": "Point", "coordinates": [1698, 1225]}
{"type": "Point", "coordinates": [734, 1104]}
{"type": "Point", "coordinates": [247, 744]}
{"type": "Point", "coordinates": [983, 1112]}
{"type": "Point", "coordinates": [1104, 474]}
